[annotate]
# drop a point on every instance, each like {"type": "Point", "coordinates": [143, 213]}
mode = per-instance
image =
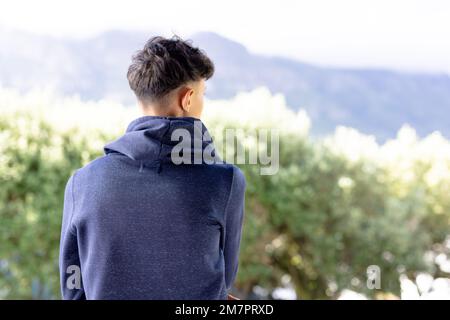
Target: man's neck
{"type": "Point", "coordinates": [160, 112]}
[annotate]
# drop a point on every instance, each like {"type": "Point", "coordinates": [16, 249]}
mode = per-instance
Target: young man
{"type": "Point", "coordinates": [136, 223]}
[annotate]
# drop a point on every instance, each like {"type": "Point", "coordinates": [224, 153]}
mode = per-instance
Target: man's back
{"type": "Point", "coordinates": [141, 227]}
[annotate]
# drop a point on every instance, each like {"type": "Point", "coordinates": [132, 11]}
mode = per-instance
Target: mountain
{"type": "Point", "coordinates": [374, 101]}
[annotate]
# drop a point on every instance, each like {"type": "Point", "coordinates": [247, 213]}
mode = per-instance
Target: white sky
{"type": "Point", "coordinates": [400, 34]}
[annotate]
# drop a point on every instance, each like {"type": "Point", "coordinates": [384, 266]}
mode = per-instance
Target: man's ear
{"type": "Point", "coordinates": [186, 95]}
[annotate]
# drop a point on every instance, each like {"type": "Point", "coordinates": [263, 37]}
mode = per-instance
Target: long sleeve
{"type": "Point", "coordinates": [234, 215]}
{"type": "Point", "coordinates": [69, 261]}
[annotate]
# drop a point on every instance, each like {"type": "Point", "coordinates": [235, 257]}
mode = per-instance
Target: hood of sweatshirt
{"type": "Point", "coordinates": [150, 140]}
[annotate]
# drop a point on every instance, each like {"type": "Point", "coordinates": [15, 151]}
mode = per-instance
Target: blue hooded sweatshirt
{"type": "Point", "coordinates": [138, 226]}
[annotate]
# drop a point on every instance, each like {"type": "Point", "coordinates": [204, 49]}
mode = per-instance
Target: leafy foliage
{"type": "Point", "coordinates": [322, 219]}
{"type": "Point", "coordinates": [35, 163]}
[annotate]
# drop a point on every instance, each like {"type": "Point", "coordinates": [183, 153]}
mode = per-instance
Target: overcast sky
{"type": "Point", "coordinates": [409, 35]}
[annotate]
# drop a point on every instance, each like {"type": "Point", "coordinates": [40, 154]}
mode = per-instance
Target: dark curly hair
{"type": "Point", "coordinates": [165, 64]}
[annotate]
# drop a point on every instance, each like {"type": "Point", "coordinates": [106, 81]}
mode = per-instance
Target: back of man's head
{"type": "Point", "coordinates": [164, 65]}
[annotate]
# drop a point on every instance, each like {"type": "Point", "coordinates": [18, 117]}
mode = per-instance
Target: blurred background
{"type": "Point", "coordinates": [359, 91]}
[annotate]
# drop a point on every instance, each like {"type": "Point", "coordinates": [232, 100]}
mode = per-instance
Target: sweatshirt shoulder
{"type": "Point", "coordinates": [236, 175]}
{"type": "Point", "coordinates": [93, 167]}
